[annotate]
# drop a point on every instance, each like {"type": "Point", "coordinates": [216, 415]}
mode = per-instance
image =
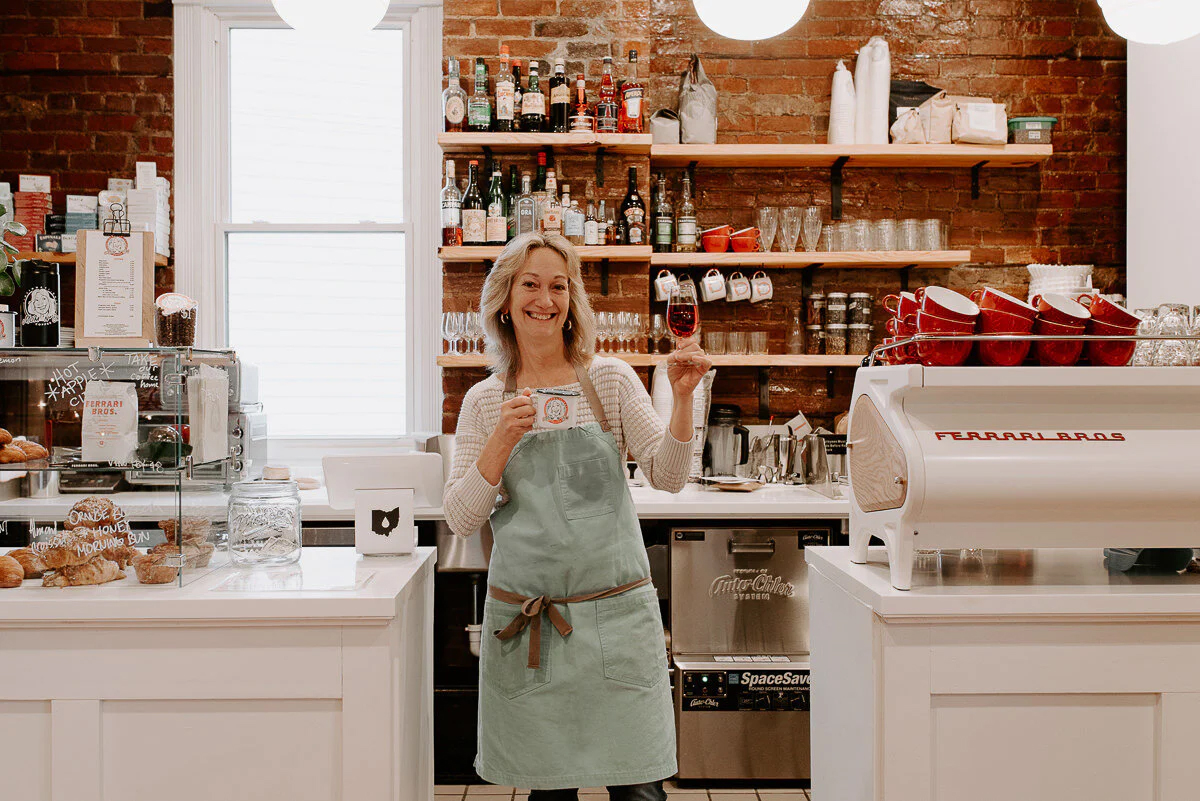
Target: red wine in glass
{"type": "Point", "coordinates": [683, 313]}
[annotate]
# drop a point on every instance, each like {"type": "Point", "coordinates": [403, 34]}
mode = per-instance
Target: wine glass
{"type": "Point", "coordinates": [643, 328]}
{"type": "Point", "coordinates": [603, 330]}
{"type": "Point", "coordinates": [789, 229]}
{"type": "Point", "coordinates": [768, 224]}
{"type": "Point", "coordinates": [448, 332]}
{"type": "Point", "coordinates": [658, 332]}
{"type": "Point", "coordinates": [683, 312]}
{"type": "Point", "coordinates": [811, 228]}
{"type": "Point", "coordinates": [474, 332]}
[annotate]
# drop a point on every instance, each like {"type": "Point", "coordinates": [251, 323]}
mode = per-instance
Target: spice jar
{"type": "Point", "coordinates": [858, 310]}
{"type": "Point", "coordinates": [814, 309]}
{"type": "Point", "coordinates": [264, 520]}
{"type": "Point", "coordinates": [814, 340]}
{"type": "Point", "coordinates": [836, 308]}
{"type": "Point", "coordinates": [859, 341]}
{"type": "Point", "coordinates": [175, 320]}
{"type": "Point", "coordinates": [835, 339]}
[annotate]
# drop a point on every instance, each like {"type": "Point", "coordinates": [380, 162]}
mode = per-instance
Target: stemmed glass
{"type": "Point", "coordinates": [789, 229]}
{"type": "Point", "coordinates": [474, 332]}
{"type": "Point", "coordinates": [658, 332]}
{"type": "Point", "coordinates": [811, 228]}
{"type": "Point", "coordinates": [604, 327]}
{"type": "Point", "coordinates": [768, 224]}
{"type": "Point", "coordinates": [683, 312]}
{"type": "Point", "coordinates": [452, 327]}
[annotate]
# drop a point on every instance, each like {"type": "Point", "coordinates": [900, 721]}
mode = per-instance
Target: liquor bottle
{"type": "Point", "coordinates": [603, 229]}
{"type": "Point", "coordinates": [685, 223]}
{"type": "Point", "coordinates": [633, 213]}
{"type": "Point", "coordinates": [591, 230]}
{"type": "Point", "coordinates": [518, 95]}
{"type": "Point", "coordinates": [572, 218]}
{"type": "Point", "coordinates": [510, 199]}
{"type": "Point", "coordinates": [533, 104]}
{"type": "Point", "coordinates": [526, 207]}
{"type": "Point", "coordinates": [664, 219]}
{"type": "Point", "coordinates": [551, 212]}
{"type": "Point", "coordinates": [479, 105]}
{"type": "Point", "coordinates": [505, 93]}
{"type": "Point", "coordinates": [630, 120]}
{"type": "Point", "coordinates": [474, 211]}
{"type": "Point", "coordinates": [539, 181]}
{"type": "Point", "coordinates": [40, 308]}
{"type": "Point", "coordinates": [606, 107]}
{"type": "Point", "coordinates": [497, 210]}
{"type": "Point", "coordinates": [452, 229]}
{"type": "Point", "coordinates": [560, 98]}
{"type": "Point", "coordinates": [581, 112]}
{"type": "Point", "coordinates": [454, 101]}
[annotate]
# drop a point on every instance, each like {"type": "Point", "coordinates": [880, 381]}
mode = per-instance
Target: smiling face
{"type": "Point", "coordinates": [539, 299]}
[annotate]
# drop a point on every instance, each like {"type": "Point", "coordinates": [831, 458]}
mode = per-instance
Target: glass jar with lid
{"type": "Point", "coordinates": [264, 520]}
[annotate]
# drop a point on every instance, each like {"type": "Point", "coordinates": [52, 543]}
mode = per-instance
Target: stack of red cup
{"type": "Point", "coordinates": [1001, 313]}
{"type": "Point", "coordinates": [1111, 320]}
{"type": "Point", "coordinates": [1059, 315]}
{"type": "Point", "coordinates": [944, 312]}
{"type": "Point", "coordinates": [900, 326]}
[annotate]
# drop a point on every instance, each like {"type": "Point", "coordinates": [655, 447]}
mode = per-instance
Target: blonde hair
{"type": "Point", "coordinates": [579, 331]}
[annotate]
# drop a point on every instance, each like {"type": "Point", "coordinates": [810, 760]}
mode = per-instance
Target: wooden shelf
{"type": "Point", "coordinates": [890, 156]}
{"type": "Point", "coordinates": [624, 144]}
{"type": "Point", "coordinates": [69, 258]}
{"type": "Point", "coordinates": [586, 253]}
{"type": "Point", "coordinates": [650, 359]}
{"type": "Point", "coordinates": [882, 259]}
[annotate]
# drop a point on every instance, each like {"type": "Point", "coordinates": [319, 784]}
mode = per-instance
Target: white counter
{"type": "Point", "coordinates": [308, 682]}
{"type": "Point", "coordinates": [694, 502]}
{"type": "Point", "coordinates": [1018, 674]}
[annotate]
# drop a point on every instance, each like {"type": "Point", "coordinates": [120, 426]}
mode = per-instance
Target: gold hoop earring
{"type": "Point", "coordinates": [569, 325]}
{"type": "Point", "coordinates": [504, 318]}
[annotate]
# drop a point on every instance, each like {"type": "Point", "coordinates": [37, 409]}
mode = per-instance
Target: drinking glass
{"type": "Point", "coordinates": [884, 235]}
{"type": "Point", "coordinates": [910, 235]}
{"type": "Point", "coordinates": [448, 331]}
{"type": "Point", "coordinates": [838, 238]}
{"type": "Point", "coordinates": [1143, 354]}
{"type": "Point", "coordinates": [758, 342]}
{"type": "Point", "coordinates": [768, 224]}
{"type": "Point", "coordinates": [860, 236]}
{"type": "Point", "coordinates": [1172, 321]}
{"type": "Point", "coordinates": [683, 312]}
{"type": "Point", "coordinates": [735, 343]}
{"type": "Point", "coordinates": [453, 329]}
{"type": "Point", "coordinates": [827, 239]}
{"type": "Point", "coordinates": [474, 332]}
{"type": "Point", "coordinates": [658, 332]}
{"type": "Point", "coordinates": [931, 234]}
{"type": "Point", "coordinates": [811, 228]}
{"type": "Point", "coordinates": [714, 343]}
{"type": "Point", "coordinates": [603, 330]}
{"type": "Point", "coordinates": [789, 229]}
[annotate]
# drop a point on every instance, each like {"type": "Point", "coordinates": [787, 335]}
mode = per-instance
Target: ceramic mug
{"type": "Point", "coordinates": [1061, 309]}
{"type": "Point", "coordinates": [1105, 311]}
{"type": "Point", "coordinates": [1110, 353]}
{"type": "Point", "coordinates": [737, 288]}
{"type": "Point", "coordinates": [746, 240]}
{"type": "Point", "coordinates": [902, 305]}
{"type": "Point", "coordinates": [1003, 353]}
{"type": "Point", "coordinates": [1057, 353]}
{"type": "Point", "coordinates": [664, 285]}
{"type": "Point", "coordinates": [989, 298]}
{"type": "Point", "coordinates": [712, 285]}
{"type": "Point", "coordinates": [903, 329]}
{"type": "Point", "coordinates": [947, 304]}
{"type": "Point", "coordinates": [943, 353]}
{"type": "Point", "coordinates": [901, 355]}
{"type": "Point", "coordinates": [761, 288]}
{"type": "Point", "coordinates": [555, 409]}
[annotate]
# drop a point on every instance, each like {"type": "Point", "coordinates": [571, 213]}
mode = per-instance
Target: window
{"type": "Point", "coordinates": [308, 227]}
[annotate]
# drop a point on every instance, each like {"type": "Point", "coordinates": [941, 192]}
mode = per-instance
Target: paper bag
{"type": "Point", "coordinates": [664, 127]}
{"type": "Point", "coordinates": [980, 124]}
{"type": "Point", "coordinates": [697, 107]}
{"type": "Point", "coordinates": [208, 413]}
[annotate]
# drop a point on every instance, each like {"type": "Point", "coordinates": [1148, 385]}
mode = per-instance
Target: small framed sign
{"type": "Point", "coordinates": [114, 289]}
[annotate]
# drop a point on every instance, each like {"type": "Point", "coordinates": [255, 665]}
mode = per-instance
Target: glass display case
{"type": "Point", "coordinates": [115, 464]}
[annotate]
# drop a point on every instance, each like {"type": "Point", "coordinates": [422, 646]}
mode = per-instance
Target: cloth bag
{"type": "Point", "coordinates": [842, 107]}
{"type": "Point", "coordinates": [664, 127]}
{"type": "Point", "coordinates": [908, 129]}
{"type": "Point", "coordinates": [697, 106]}
{"type": "Point", "coordinates": [980, 124]}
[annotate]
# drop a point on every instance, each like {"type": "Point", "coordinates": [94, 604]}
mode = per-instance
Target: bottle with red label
{"type": "Point", "coordinates": [607, 108]}
{"type": "Point", "coordinates": [632, 92]}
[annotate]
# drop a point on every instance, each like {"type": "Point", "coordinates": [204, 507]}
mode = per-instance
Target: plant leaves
{"type": "Point", "coordinates": [15, 227]}
{"type": "Point", "coordinates": [9, 247]}
{"type": "Point", "coordinates": [16, 270]}
{"type": "Point", "coordinates": [7, 287]}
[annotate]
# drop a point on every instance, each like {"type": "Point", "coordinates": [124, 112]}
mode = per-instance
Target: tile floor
{"type": "Point", "coordinates": [491, 792]}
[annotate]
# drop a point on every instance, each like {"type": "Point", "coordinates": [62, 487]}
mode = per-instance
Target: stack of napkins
{"type": "Point", "coordinates": [81, 213]}
{"type": "Point", "coordinates": [149, 206]}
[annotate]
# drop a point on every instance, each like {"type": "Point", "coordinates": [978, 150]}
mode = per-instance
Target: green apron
{"type": "Point", "coordinates": [596, 711]}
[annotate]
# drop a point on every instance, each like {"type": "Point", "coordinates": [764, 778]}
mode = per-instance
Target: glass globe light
{"type": "Point", "coordinates": [331, 18]}
{"type": "Point", "coordinates": [1153, 21]}
{"type": "Point", "coordinates": [750, 20]}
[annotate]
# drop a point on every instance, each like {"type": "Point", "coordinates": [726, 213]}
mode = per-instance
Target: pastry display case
{"type": "Point", "coordinates": [115, 463]}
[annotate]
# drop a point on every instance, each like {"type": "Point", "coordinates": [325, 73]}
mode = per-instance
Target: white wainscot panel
{"type": "Point", "coordinates": [25, 750]}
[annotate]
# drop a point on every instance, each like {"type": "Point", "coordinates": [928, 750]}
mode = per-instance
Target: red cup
{"type": "Point", "coordinates": [989, 298]}
{"type": "Point", "coordinates": [901, 355]}
{"type": "Point", "coordinates": [1060, 353]}
{"type": "Point", "coordinates": [1061, 309]}
{"type": "Point", "coordinates": [1110, 353]}
{"type": "Point", "coordinates": [902, 305]}
{"type": "Point", "coordinates": [1107, 312]}
{"type": "Point", "coordinates": [904, 329]}
{"type": "Point", "coordinates": [746, 241]}
{"type": "Point", "coordinates": [1003, 353]}
{"type": "Point", "coordinates": [946, 303]}
{"type": "Point", "coordinates": [714, 243]}
{"type": "Point", "coordinates": [943, 353]}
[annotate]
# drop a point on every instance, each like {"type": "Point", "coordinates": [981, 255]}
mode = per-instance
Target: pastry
{"type": "Point", "coordinates": [93, 512]}
{"type": "Point", "coordinates": [11, 573]}
{"type": "Point", "coordinates": [5, 437]}
{"type": "Point", "coordinates": [151, 570]}
{"type": "Point", "coordinates": [11, 455]}
{"type": "Point", "coordinates": [31, 561]}
{"type": "Point", "coordinates": [195, 529]}
{"type": "Point", "coordinates": [77, 547]}
{"type": "Point", "coordinates": [32, 449]}
{"type": "Point", "coordinates": [97, 571]}
{"type": "Point", "coordinates": [197, 555]}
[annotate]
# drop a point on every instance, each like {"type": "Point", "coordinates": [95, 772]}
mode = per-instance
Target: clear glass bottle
{"type": "Point", "coordinates": [551, 211]}
{"type": "Point", "coordinates": [572, 218]}
{"type": "Point", "coordinates": [497, 210]}
{"type": "Point", "coordinates": [452, 232]}
{"type": "Point", "coordinates": [591, 230]}
{"type": "Point", "coordinates": [602, 233]}
{"type": "Point", "coordinates": [479, 105]}
{"type": "Point", "coordinates": [685, 223]}
{"type": "Point", "coordinates": [795, 337]}
{"type": "Point", "coordinates": [474, 210]}
{"type": "Point", "coordinates": [607, 108]}
{"type": "Point", "coordinates": [505, 93]}
{"type": "Point", "coordinates": [664, 219]}
{"type": "Point", "coordinates": [526, 207]}
{"type": "Point", "coordinates": [264, 522]}
{"type": "Point", "coordinates": [454, 101]}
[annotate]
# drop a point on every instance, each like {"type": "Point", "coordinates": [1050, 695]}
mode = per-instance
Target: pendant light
{"type": "Point", "coordinates": [331, 18]}
{"type": "Point", "coordinates": [750, 19]}
{"type": "Point", "coordinates": [1153, 21]}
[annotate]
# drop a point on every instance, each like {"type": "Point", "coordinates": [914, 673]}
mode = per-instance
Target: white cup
{"type": "Point", "coordinates": [737, 288]}
{"type": "Point", "coordinates": [712, 286]}
{"type": "Point", "coordinates": [761, 288]}
{"type": "Point", "coordinates": [664, 285]}
{"type": "Point", "coordinates": [555, 409]}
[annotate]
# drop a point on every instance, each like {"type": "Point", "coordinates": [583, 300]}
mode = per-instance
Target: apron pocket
{"type": "Point", "coordinates": [585, 488]}
{"type": "Point", "coordinates": [503, 662]}
{"type": "Point", "coordinates": [631, 638]}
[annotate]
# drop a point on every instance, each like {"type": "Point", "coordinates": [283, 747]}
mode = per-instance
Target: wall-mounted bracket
{"type": "Point", "coordinates": [691, 169]}
{"type": "Point", "coordinates": [975, 179]}
{"type": "Point", "coordinates": [600, 166]}
{"type": "Point", "coordinates": [835, 187]}
{"type": "Point", "coordinates": [806, 280]}
{"type": "Point", "coordinates": [764, 393]}
{"type": "Point", "coordinates": [604, 276]}
{"type": "Point", "coordinates": [830, 388]}
{"type": "Point", "coordinates": [905, 273]}
{"type": "Point", "coordinates": [487, 155]}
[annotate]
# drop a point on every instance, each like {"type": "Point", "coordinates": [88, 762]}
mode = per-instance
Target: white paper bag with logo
{"type": "Point", "coordinates": [664, 285]}
{"type": "Point", "coordinates": [383, 522]}
{"type": "Point", "coordinates": [208, 414]}
{"type": "Point", "coordinates": [981, 124]}
{"type": "Point", "coordinates": [712, 286]}
{"type": "Point", "coordinates": [761, 288]}
{"type": "Point", "coordinates": [737, 288]}
{"type": "Point", "coordinates": [110, 410]}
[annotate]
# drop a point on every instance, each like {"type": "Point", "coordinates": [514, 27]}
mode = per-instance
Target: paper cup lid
{"type": "Point", "coordinates": [173, 303]}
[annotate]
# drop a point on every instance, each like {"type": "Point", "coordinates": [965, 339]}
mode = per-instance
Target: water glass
{"type": "Point", "coordinates": [1173, 321]}
{"type": "Point", "coordinates": [714, 343]}
{"type": "Point", "coordinates": [789, 229]}
{"type": "Point", "coordinates": [859, 236]}
{"type": "Point", "coordinates": [811, 228]}
{"type": "Point", "coordinates": [768, 224]}
{"type": "Point", "coordinates": [883, 235]}
{"type": "Point", "coordinates": [931, 235]}
{"type": "Point", "coordinates": [1143, 354]}
{"type": "Point", "coordinates": [454, 327]}
{"type": "Point", "coordinates": [839, 239]}
{"type": "Point", "coordinates": [735, 343]}
{"type": "Point", "coordinates": [910, 235]}
{"type": "Point", "coordinates": [758, 342]}
{"type": "Point", "coordinates": [827, 239]}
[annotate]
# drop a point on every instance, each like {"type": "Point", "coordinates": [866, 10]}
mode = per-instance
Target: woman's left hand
{"type": "Point", "coordinates": [686, 365]}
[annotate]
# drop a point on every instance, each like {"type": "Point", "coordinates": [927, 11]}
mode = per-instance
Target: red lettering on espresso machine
{"type": "Point", "coordinates": [1030, 436]}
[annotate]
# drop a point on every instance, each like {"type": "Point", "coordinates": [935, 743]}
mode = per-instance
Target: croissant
{"type": "Point", "coordinates": [197, 555]}
{"type": "Point", "coordinates": [11, 455]}
{"type": "Point", "coordinates": [5, 437]}
{"type": "Point", "coordinates": [30, 561]}
{"type": "Point", "coordinates": [97, 571]}
{"type": "Point", "coordinates": [32, 449]}
{"type": "Point", "coordinates": [80, 546]}
{"type": "Point", "coordinates": [11, 572]}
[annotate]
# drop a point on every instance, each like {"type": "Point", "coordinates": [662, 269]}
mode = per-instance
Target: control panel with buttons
{"type": "Point", "coordinates": [785, 690]}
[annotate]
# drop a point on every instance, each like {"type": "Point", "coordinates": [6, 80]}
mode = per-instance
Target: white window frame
{"type": "Point", "coordinates": [201, 60]}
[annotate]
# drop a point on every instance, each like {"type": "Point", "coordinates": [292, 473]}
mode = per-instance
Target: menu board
{"type": "Point", "coordinates": [114, 290]}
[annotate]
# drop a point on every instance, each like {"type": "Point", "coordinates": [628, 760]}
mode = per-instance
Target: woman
{"type": "Point", "coordinates": [573, 681]}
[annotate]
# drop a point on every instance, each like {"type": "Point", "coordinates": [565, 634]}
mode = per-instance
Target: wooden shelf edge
{"type": "Point", "coordinates": [878, 156]}
{"type": "Point", "coordinates": [881, 259]}
{"type": "Point", "coordinates": [467, 142]}
{"type": "Point", "coordinates": [586, 253]}
{"type": "Point", "coordinates": [650, 359]}
{"type": "Point", "coordinates": [69, 258]}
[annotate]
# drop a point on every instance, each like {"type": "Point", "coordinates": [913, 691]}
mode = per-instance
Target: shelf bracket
{"type": "Point", "coordinates": [764, 393]}
{"type": "Point", "coordinates": [691, 169]}
{"type": "Point", "coordinates": [487, 154]}
{"type": "Point", "coordinates": [599, 166]}
{"type": "Point", "coordinates": [604, 276]}
{"type": "Point", "coordinates": [835, 187]}
{"type": "Point", "coordinates": [830, 388]}
{"type": "Point", "coordinates": [806, 280]}
{"type": "Point", "coordinates": [975, 179]}
{"type": "Point", "coordinates": [905, 273]}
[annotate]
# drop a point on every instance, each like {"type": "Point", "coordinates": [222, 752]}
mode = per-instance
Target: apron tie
{"type": "Point", "coordinates": [533, 608]}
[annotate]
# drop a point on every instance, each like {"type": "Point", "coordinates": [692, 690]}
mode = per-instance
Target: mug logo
{"type": "Point", "coordinates": [556, 411]}
{"type": "Point", "coordinates": [384, 523]}
{"type": "Point", "coordinates": [1030, 436]}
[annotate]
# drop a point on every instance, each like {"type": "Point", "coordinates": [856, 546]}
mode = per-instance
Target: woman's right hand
{"type": "Point", "coordinates": [516, 418]}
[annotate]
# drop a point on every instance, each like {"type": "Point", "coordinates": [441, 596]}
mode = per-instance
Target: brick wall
{"type": "Point", "coordinates": [86, 90]}
{"type": "Point", "coordinates": [1044, 57]}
